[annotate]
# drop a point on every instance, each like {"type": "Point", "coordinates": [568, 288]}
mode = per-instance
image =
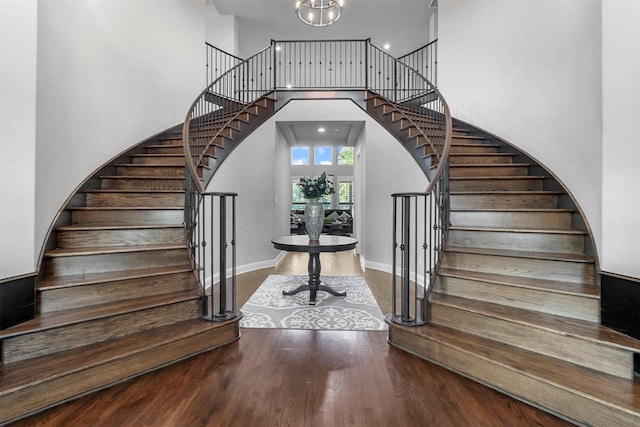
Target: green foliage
{"type": "Point", "coordinates": [345, 156]}
{"type": "Point", "coordinates": [315, 188]}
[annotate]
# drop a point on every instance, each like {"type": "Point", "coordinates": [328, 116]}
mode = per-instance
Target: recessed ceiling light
{"type": "Point", "coordinates": [321, 130]}
{"type": "Point", "coordinates": [289, 85]}
{"type": "Point", "coordinates": [386, 46]}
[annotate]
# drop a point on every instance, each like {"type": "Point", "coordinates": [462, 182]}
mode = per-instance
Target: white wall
{"type": "Point", "coordinates": [530, 72]}
{"type": "Point", "coordinates": [18, 59]}
{"type": "Point", "coordinates": [620, 140]}
{"type": "Point", "coordinates": [261, 162]}
{"type": "Point", "coordinates": [110, 74]}
{"type": "Point", "coordinates": [222, 30]}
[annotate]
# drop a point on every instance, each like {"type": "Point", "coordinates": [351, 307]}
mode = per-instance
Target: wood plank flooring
{"type": "Point", "coordinates": [274, 377]}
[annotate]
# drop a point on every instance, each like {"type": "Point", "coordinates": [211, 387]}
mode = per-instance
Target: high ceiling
{"type": "Point", "coordinates": [343, 133]}
{"type": "Point", "coordinates": [403, 24]}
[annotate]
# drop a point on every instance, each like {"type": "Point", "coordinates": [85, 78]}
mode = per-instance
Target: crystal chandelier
{"type": "Point", "coordinates": [319, 13]}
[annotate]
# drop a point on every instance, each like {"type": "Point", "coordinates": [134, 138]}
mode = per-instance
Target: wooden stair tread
{"type": "Point", "coordinates": [565, 326]}
{"type": "Point", "coordinates": [124, 208]}
{"type": "Point", "coordinates": [519, 230]}
{"type": "Point", "coordinates": [140, 177]}
{"type": "Point", "coordinates": [506, 192]}
{"type": "Point", "coordinates": [466, 144]}
{"type": "Point", "coordinates": [152, 165]}
{"type": "Point", "coordinates": [176, 142]}
{"type": "Point", "coordinates": [530, 177]}
{"type": "Point", "coordinates": [103, 226]}
{"type": "Point", "coordinates": [128, 191]}
{"type": "Point", "coordinates": [161, 155]}
{"type": "Point", "coordinates": [555, 286]}
{"type": "Point", "coordinates": [64, 252]}
{"type": "Point", "coordinates": [558, 256]}
{"type": "Point", "coordinates": [57, 282]}
{"type": "Point", "coordinates": [468, 137]}
{"type": "Point", "coordinates": [27, 373]}
{"type": "Point", "coordinates": [614, 391]}
{"type": "Point", "coordinates": [511, 210]}
{"type": "Point", "coordinates": [54, 319]}
{"type": "Point", "coordinates": [481, 155]}
{"type": "Point", "coordinates": [477, 165]}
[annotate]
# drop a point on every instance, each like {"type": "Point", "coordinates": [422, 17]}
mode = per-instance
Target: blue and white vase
{"type": "Point", "coordinates": [314, 219]}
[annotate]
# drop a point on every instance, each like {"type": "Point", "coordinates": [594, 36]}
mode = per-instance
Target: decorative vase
{"type": "Point", "coordinates": [314, 219]}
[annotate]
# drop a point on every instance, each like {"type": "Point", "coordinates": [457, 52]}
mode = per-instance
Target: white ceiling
{"type": "Point", "coordinates": [404, 24]}
{"type": "Point", "coordinates": [343, 133]}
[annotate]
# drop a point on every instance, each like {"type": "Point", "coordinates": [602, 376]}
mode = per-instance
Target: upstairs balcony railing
{"type": "Point", "coordinates": [219, 62]}
{"type": "Point", "coordinates": [424, 60]}
{"type": "Point", "coordinates": [286, 67]}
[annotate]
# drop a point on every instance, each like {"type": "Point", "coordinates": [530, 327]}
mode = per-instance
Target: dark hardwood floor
{"type": "Point", "coordinates": [274, 377]}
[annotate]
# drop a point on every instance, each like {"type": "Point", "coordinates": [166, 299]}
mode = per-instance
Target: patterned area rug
{"type": "Point", "coordinates": [268, 308]}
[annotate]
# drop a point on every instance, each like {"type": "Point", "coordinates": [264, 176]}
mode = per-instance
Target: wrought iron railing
{"type": "Point", "coordinates": [424, 60]}
{"type": "Point", "coordinates": [211, 239]}
{"type": "Point", "coordinates": [219, 62]}
{"type": "Point", "coordinates": [347, 65]}
{"type": "Point", "coordinates": [420, 220]}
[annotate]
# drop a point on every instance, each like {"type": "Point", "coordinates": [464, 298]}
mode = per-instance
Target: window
{"type": "Point", "coordinates": [299, 202]}
{"type": "Point", "coordinates": [299, 155]}
{"type": "Point", "coordinates": [345, 155]}
{"type": "Point", "coordinates": [345, 194]}
{"type": "Point", "coordinates": [322, 155]}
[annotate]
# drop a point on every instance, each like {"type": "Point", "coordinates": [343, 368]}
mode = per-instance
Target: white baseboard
{"type": "Point", "coordinates": [246, 268]}
{"type": "Point", "coordinates": [374, 265]}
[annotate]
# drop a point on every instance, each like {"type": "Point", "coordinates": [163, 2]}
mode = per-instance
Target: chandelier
{"type": "Point", "coordinates": [319, 13]}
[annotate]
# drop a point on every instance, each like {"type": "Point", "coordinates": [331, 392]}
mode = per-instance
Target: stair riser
{"type": "Point", "coordinates": [61, 388]}
{"type": "Point", "coordinates": [102, 263]}
{"type": "Point", "coordinates": [568, 305]}
{"type": "Point", "coordinates": [473, 149]}
{"type": "Point", "coordinates": [172, 140]}
{"type": "Point", "coordinates": [555, 220]}
{"type": "Point", "coordinates": [142, 184]}
{"type": "Point", "coordinates": [93, 331]}
{"type": "Point", "coordinates": [504, 201]}
{"type": "Point", "coordinates": [169, 149]}
{"type": "Point", "coordinates": [155, 160]}
{"type": "Point", "coordinates": [135, 200]}
{"type": "Point", "coordinates": [438, 130]}
{"type": "Point", "coordinates": [129, 217]}
{"type": "Point", "coordinates": [533, 390]}
{"type": "Point", "coordinates": [177, 171]}
{"type": "Point", "coordinates": [537, 242]}
{"type": "Point", "coordinates": [564, 347]}
{"type": "Point", "coordinates": [461, 159]}
{"type": "Point", "coordinates": [506, 170]}
{"type": "Point", "coordinates": [497, 184]}
{"type": "Point", "coordinates": [91, 238]}
{"type": "Point", "coordinates": [573, 272]}
{"type": "Point", "coordinates": [106, 292]}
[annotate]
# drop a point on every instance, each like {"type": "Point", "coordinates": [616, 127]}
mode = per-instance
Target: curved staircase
{"type": "Point", "coordinates": [117, 295]}
{"type": "Point", "coordinates": [516, 305]}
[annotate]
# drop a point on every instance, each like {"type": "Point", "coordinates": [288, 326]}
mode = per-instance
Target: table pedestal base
{"type": "Point", "coordinates": [314, 285]}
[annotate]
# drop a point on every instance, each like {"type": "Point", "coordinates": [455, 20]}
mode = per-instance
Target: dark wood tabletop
{"type": "Point", "coordinates": [326, 243]}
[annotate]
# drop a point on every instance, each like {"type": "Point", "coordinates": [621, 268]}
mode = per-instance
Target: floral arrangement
{"type": "Point", "coordinates": [314, 188]}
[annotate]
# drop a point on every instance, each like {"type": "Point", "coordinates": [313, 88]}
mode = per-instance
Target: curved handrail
{"type": "Point", "coordinates": [420, 219]}
{"type": "Point", "coordinates": [204, 107]}
{"type": "Point", "coordinates": [441, 151]}
{"type": "Point", "coordinates": [280, 66]}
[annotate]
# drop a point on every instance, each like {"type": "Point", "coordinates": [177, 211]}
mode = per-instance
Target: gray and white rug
{"type": "Point", "coordinates": [268, 308]}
